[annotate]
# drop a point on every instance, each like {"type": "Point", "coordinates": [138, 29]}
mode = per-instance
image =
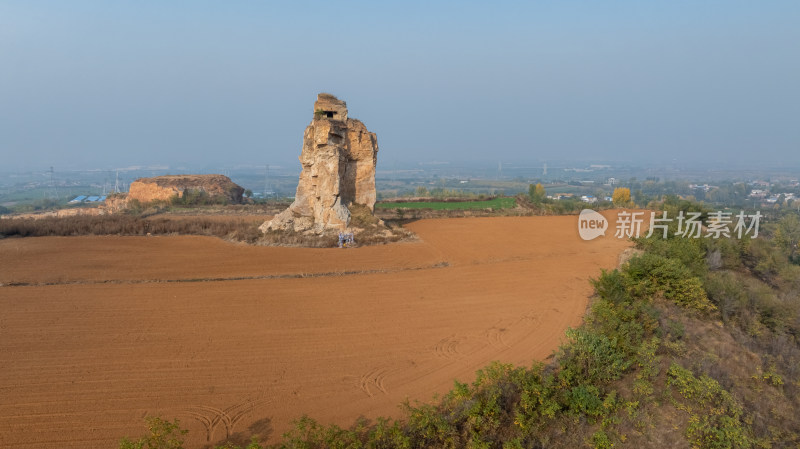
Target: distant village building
{"type": "Point", "coordinates": [703, 187]}
{"type": "Point", "coordinates": [88, 199]}
{"type": "Point", "coordinates": [561, 196]}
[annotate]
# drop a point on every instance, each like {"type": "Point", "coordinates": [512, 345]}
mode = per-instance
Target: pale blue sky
{"type": "Point", "coordinates": [103, 84]}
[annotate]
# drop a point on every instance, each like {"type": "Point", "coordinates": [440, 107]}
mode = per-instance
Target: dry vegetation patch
{"type": "Point", "coordinates": [127, 225]}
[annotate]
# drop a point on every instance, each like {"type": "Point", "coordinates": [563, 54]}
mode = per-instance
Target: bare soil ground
{"type": "Point", "coordinates": [235, 340]}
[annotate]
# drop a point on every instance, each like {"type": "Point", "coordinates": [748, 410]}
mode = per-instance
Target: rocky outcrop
{"type": "Point", "coordinates": [163, 188]}
{"type": "Point", "coordinates": [115, 203]}
{"type": "Point", "coordinates": [338, 160]}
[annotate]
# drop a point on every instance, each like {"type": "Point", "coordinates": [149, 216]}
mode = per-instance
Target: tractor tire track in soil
{"type": "Point", "coordinates": [211, 417]}
{"type": "Point", "coordinates": [376, 378]}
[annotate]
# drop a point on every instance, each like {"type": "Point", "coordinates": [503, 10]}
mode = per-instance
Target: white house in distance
{"type": "Point", "coordinates": [703, 187]}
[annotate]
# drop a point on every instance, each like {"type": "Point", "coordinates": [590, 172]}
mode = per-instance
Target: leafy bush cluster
{"type": "Point", "coordinates": [652, 274]}
{"type": "Point", "coordinates": [715, 416]}
{"type": "Point", "coordinates": [163, 435]}
{"type": "Point", "coordinates": [537, 193]}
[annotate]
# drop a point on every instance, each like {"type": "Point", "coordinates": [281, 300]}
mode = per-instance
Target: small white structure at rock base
{"type": "Point", "coordinates": [338, 158]}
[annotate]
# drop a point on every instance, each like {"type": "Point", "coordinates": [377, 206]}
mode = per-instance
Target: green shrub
{"type": "Point", "coordinates": [689, 293]}
{"type": "Point", "coordinates": [647, 359]}
{"type": "Point", "coordinates": [628, 323]}
{"type": "Point", "coordinates": [591, 358]}
{"type": "Point", "coordinates": [731, 251]}
{"type": "Point", "coordinates": [651, 273]}
{"type": "Point", "coordinates": [727, 292]}
{"type": "Point", "coordinates": [163, 435]}
{"type": "Point", "coordinates": [430, 428]}
{"type": "Point", "coordinates": [388, 434]}
{"type": "Point", "coordinates": [612, 286]}
{"type": "Point", "coordinates": [772, 312]}
{"type": "Point", "coordinates": [254, 444]}
{"type": "Point", "coordinates": [309, 434]}
{"type": "Point", "coordinates": [600, 440]}
{"type": "Point", "coordinates": [585, 400]}
{"type": "Point", "coordinates": [676, 329]}
{"type": "Point", "coordinates": [764, 260]}
{"type": "Point", "coordinates": [715, 417]}
{"type": "Point", "coordinates": [538, 401]}
{"type": "Point", "coordinates": [691, 253]}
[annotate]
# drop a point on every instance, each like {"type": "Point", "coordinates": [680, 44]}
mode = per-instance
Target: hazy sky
{"type": "Point", "coordinates": [103, 84]}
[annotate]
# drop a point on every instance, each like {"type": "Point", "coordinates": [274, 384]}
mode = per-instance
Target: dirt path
{"type": "Point", "coordinates": [83, 360]}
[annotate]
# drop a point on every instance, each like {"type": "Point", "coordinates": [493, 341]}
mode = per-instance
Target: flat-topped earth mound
{"type": "Point", "coordinates": [163, 188]}
{"type": "Point", "coordinates": [236, 340]}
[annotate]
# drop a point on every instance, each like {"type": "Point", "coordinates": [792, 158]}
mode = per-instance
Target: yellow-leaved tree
{"type": "Point", "coordinates": [537, 193]}
{"type": "Point", "coordinates": [621, 196]}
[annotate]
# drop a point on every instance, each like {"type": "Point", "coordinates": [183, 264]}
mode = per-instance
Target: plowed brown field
{"type": "Point", "coordinates": [234, 340]}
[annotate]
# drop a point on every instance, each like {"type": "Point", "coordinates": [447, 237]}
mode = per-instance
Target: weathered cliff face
{"type": "Point", "coordinates": [338, 159]}
{"type": "Point", "coordinates": [163, 188]}
{"type": "Point", "coordinates": [115, 203]}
